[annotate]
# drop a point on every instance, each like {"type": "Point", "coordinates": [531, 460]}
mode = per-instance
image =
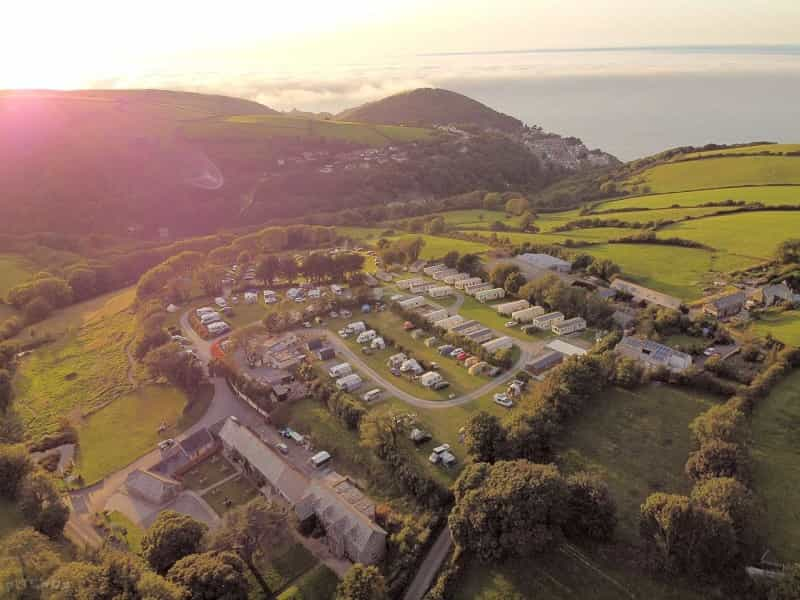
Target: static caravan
{"type": "Point", "coordinates": [209, 318]}
{"type": "Point", "coordinates": [568, 326]}
{"type": "Point", "coordinates": [218, 328]}
{"type": "Point", "coordinates": [488, 295]}
{"type": "Point", "coordinates": [441, 275]}
{"type": "Point", "coordinates": [340, 370]}
{"type": "Point", "coordinates": [349, 383]}
{"type": "Point", "coordinates": [250, 297]}
{"type": "Point", "coordinates": [221, 302]}
{"type": "Point", "coordinates": [463, 284]}
{"type": "Point", "coordinates": [473, 290]}
{"type": "Point", "coordinates": [466, 327]}
{"type": "Point", "coordinates": [500, 343]}
{"type": "Point", "coordinates": [411, 366]}
{"type": "Point", "coordinates": [450, 322]}
{"type": "Point", "coordinates": [451, 279]}
{"type": "Point", "coordinates": [440, 292]}
{"type": "Point", "coordinates": [394, 361]}
{"type": "Point", "coordinates": [546, 321]}
{"type": "Point", "coordinates": [378, 344]}
{"type": "Point", "coordinates": [205, 310]}
{"type": "Point", "coordinates": [421, 288]}
{"type": "Point", "coordinates": [436, 315]}
{"type": "Point", "coordinates": [430, 379]}
{"type": "Point", "coordinates": [366, 336]}
{"type": "Point", "coordinates": [481, 335]}
{"type": "Point", "coordinates": [478, 368]}
{"type": "Point", "coordinates": [526, 315]}
{"type": "Point", "coordinates": [407, 284]}
{"type": "Point", "coordinates": [509, 307]}
{"type": "Point", "coordinates": [431, 269]}
{"type": "Point", "coordinates": [412, 303]}
{"type": "Point", "coordinates": [356, 327]}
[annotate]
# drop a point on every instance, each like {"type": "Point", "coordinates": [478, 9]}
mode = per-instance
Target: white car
{"type": "Point", "coordinates": [710, 351]}
{"type": "Point", "coordinates": [503, 400]}
{"type": "Point", "coordinates": [511, 323]}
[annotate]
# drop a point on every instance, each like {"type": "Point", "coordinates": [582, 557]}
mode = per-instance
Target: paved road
{"type": "Point", "coordinates": [430, 566]}
{"type": "Point", "coordinates": [344, 350]}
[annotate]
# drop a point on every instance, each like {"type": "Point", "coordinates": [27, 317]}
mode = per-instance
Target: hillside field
{"type": "Point", "coordinates": [769, 195]}
{"type": "Point", "coordinates": [785, 326]}
{"type": "Point", "coordinates": [756, 149]}
{"type": "Point", "coordinates": [776, 467]}
{"type": "Point", "coordinates": [14, 269]}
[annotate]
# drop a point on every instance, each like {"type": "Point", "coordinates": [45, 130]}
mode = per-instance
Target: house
{"type": "Point", "coordinates": [340, 370]}
{"type": "Point", "coordinates": [435, 315]}
{"type": "Point", "coordinates": [565, 348]}
{"type": "Point", "coordinates": [430, 379]}
{"type": "Point", "coordinates": [509, 307]}
{"type": "Point", "coordinates": [152, 487]}
{"type": "Point", "coordinates": [526, 315]}
{"type": "Point", "coordinates": [653, 354]}
{"type": "Point", "coordinates": [544, 361]}
{"type": "Point", "coordinates": [412, 303]}
{"type": "Point", "coordinates": [450, 322]}
{"type": "Point", "coordinates": [199, 444]}
{"type": "Point", "coordinates": [545, 261]}
{"type": "Point", "coordinates": [440, 291]}
{"type": "Point", "coordinates": [726, 306]}
{"type": "Point", "coordinates": [546, 321]}
{"type": "Point", "coordinates": [349, 383]}
{"type": "Point", "coordinates": [568, 326]}
{"type": "Point", "coordinates": [500, 343]}
{"type": "Point", "coordinates": [490, 294]}
{"type": "Point", "coordinates": [778, 292]}
{"type": "Point", "coordinates": [641, 293]}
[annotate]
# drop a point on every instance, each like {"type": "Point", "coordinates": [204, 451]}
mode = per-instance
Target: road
{"type": "Point", "coordinates": [430, 566]}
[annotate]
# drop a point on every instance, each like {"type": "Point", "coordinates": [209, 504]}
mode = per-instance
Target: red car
{"type": "Point", "coordinates": [463, 356]}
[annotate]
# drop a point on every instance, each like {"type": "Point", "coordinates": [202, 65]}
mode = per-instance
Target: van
{"type": "Point", "coordinates": [320, 458]}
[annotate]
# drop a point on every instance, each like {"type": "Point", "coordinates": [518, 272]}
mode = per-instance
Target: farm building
{"type": "Point", "coordinates": [430, 379]}
{"type": "Point", "coordinates": [435, 315]}
{"type": "Point", "coordinates": [407, 284]}
{"type": "Point", "coordinates": [509, 307]}
{"type": "Point", "coordinates": [653, 354]}
{"type": "Point", "coordinates": [349, 383]}
{"type": "Point", "coordinates": [442, 275]}
{"type": "Point", "coordinates": [463, 284]}
{"type": "Point", "coordinates": [726, 306]}
{"type": "Point", "coordinates": [440, 291]}
{"type": "Point", "coordinates": [526, 315]}
{"type": "Point", "coordinates": [565, 348]}
{"type": "Point", "coordinates": [491, 294]}
{"type": "Point", "coordinates": [568, 326]}
{"type": "Point", "coordinates": [544, 361]}
{"type": "Point", "coordinates": [545, 261]}
{"type": "Point", "coordinates": [546, 321]}
{"type": "Point", "coordinates": [394, 361]}
{"type": "Point", "coordinates": [413, 302]}
{"type": "Point", "coordinates": [500, 343]}
{"type": "Point", "coordinates": [451, 279]}
{"type": "Point", "coordinates": [641, 293]}
{"type": "Point", "coordinates": [473, 290]}
{"type": "Point", "coordinates": [450, 322]}
{"type": "Point", "coordinates": [770, 294]}
{"type": "Point", "coordinates": [431, 269]}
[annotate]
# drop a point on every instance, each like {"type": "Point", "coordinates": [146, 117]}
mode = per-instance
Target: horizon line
{"type": "Point", "coordinates": [793, 48]}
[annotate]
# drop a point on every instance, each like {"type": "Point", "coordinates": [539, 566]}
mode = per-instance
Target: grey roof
{"type": "Point", "coordinates": [654, 351]}
{"type": "Point", "coordinates": [730, 300]}
{"type": "Point", "coordinates": [544, 261]}
{"type": "Point", "coordinates": [197, 441]}
{"type": "Point", "coordinates": [151, 486]}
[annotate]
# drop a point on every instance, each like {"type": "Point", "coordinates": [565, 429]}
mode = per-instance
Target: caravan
{"type": "Point", "coordinates": [340, 370]}
{"type": "Point", "coordinates": [366, 336]}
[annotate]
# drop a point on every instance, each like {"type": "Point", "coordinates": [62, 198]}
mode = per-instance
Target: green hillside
{"type": "Point", "coordinates": [769, 195]}
{"type": "Point", "coordinates": [754, 149]}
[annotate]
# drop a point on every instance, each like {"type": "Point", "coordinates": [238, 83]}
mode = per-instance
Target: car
{"type": "Point", "coordinates": [456, 352]}
{"type": "Point", "coordinates": [344, 333]}
{"type": "Point", "coordinates": [282, 448]}
{"type": "Point", "coordinates": [299, 299]}
{"type": "Point", "coordinates": [440, 385]}
{"type": "Point", "coordinates": [511, 324]}
{"type": "Point", "coordinates": [710, 351]}
{"type": "Point", "coordinates": [463, 356]}
{"type": "Point", "coordinates": [166, 444]}
{"type": "Point", "coordinates": [307, 325]}
{"type": "Point", "coordinates": [503, 400]}
{"type": "Point", "coordinates": [442, 448]}
{"type": "Point", "coordinates": [286, 433]}
{"type": "Point", "coordinates": [396, 372]}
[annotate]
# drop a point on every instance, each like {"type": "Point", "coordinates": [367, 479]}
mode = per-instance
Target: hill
{"type": "Point", "coordinates": [432, 106]}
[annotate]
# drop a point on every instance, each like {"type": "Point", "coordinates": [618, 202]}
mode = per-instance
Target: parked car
{"type": "Point", "coordinates": [463, 356]}
{"type": "Point", "coordinates": [440, 385]}
{"type": "Point", "coordinates": [710, 351]}
{"type": "Point", "coordinates": [282, 448]}
{"type": "Point", "coordinates": [503, 400]}
{"type": "Point", "coordinates": [456, 352]}
{"type": "Point", "coordinates": [511, 323]}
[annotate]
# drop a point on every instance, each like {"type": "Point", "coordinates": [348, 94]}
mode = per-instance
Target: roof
{"type": "Point", "coordinates": [565, 348]}
{"type": "Point", "coordinates": [655, 351]}
{"type": "Point", "coordinates": [729, 300]}
{"type": "Point", "coordinates": [150, 485]}
{"type": "Point", "coordinates": [544, 261]}
{"type": "Point", "coordinates": [197, 441]}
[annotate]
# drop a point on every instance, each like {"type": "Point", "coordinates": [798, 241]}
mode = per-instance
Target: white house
{"type": "Point", "coordinates": [349, 383]}
{"type": "Point", "coordinates": [340, 370]}
{"type": "Point", "coordinates": [526, 315]}
{"type": "Point", "coordinates": [412, 303]}
{"type": "Point", "coordinates": [488, 295]}
{"type": "Point", "coordinates": [430, 379]}
{"type": "Point", "coordinates": [500, 343]}
{"type": "Point", "coordinates": [440, 291]}
{"type": "Point", "coordinates": [546, 321]}
{"type": "Point", "coordinates": [568, 326]}
{"type": "Point", "coordinates": [509, 307]}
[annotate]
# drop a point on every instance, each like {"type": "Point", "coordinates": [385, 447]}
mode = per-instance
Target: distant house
{"type": "Point", "coordinates": [151, 487]}
{"type": "Point", "coordinates": [778, 292]}
{"type": "Point", "coordinates": [652, 354]}
{"type": "Point", "coordinates": [726, 306]}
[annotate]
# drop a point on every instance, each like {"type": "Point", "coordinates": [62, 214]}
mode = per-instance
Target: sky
{"type": "Point", "coordinates": [91, 43]}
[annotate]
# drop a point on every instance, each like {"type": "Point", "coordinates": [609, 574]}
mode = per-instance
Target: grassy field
{"type": "Point", "coordinates": [720, 172]}
{"type": "Point", "coordinates": [127, 530]}
{"type": "Point", "coordinates": [435, 247]}
{"type": "Point", "coordinates": [317, 584]}
{"type": "Point", "coordinates": [662, 214]}
{"type": "Point", "coordinates": [754, 235]}
{"type": "Point", "coordinates": [776, 467]}
{"type": "Point", "coordinates": [768, 195]}
{"type": "Point", "coordinates": [757, 149]}
{"type": "Point", "coordinates": [287, 563]}
{"type": "Point", "coordinates": [239, 491]}
{"type": "Point", "coordinates": [785, 326]}
{"type": "Point", "coordinates": [261, 127]}
{"type": "Point", "coordinates": [14, 269]}
{"type": "Point", "coordinates": [127, 428]}
{"type": "Point", "coordinates": [476, 218]}
{"type": "Point", "coordinates": [638, 442]}
{"type": "Point", "coordinates": [593, 234]}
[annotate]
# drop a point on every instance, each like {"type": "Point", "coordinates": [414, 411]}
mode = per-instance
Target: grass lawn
{"type": "Point", "coordinates": [784, 325]}
{"type": "Point", "coordinates": [207, 473]}
{"type": "Point", "coordinates": [690, 269]}
{"type": "Point", "coordinates": [638, 442]}
{"type": "Point", "coordinates": [776, 467]}
{"type": "Point", "coordinates": [437, 247]}
{"type": "Point", "coordinates": [767, 195]}
{"type": "Point", "coordinates": [287, 563]}
{"type": "Point", "coordinates": [14, 269]}
{"type": "Point", "coordinates": [754, 234]}
{"type": "Point", "coordinates": [128, 428]}
{"type": "Point", "coordinates": [564, 574]}
{"type": "Point", "coordinates": [318, 584]}
{"type": "Point", "coordinates": [127, 530]}
{"type": "Point", "coordinates": [720, 172]}
{"type": "Point", "coordinates": [10, 518]}
{"type": "Point", "coordinates": [239, 491]}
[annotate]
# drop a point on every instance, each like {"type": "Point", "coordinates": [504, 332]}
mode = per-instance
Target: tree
{"type": "Point", "coordinates": [788, 251]}
{"type": "Point", "coordinates": [435, 226]}
{"type": "Point", "coordinates": [380, 432]}
{"type": "Point", "coordinates": [526, 222]}
{"type": "Point", "coordinates": [15, 464]}
{"type": "Point", "coordinates": [537, 290]}
{"type": "Point", "coordinates": [6, 391]}
{"type": "Point", "coordinates": [517, 206]}
{"type": "Point", "coordinates": [210, 279]}
{"type": "Point", "coordinates": [514, 282]}
{"type": "Point", "coordinates": [287, 267]}
{"type": "Point", "coordinates": [500, 273]}
{"type": "Point", "coordinates": [211, 576]}
{"type": "Point", "coordinates": [451, 259]}
{"type": "Point", "coordinates": [37, 310]}
{"type": "Point", "coordinates": [257, 526]}
{"type": "Point", "coordinates": [508, 508]}
{"type": "Point", "coordinates": [592, 510]}
{"type": "Point", "coordinates": [732, 499]}
{"type": "Point", "coordinates": [177, 366]}
{"type": "Point", "coordinates": [720, 422]}
{"type": "Point", "coordinates": [171, 537]}
{"type": "Point", "coordinates": [41, 504]}
{"type": "Point", "coordinates": [716, 458]}
{"type": "Point", "coordinates": [83, 282]}
{"type": "Point", "coordinates": [484, 437]}
{"type": "Point", "coordinates": [469, 263]}
{"type": "Point", "coordinates": [362, 583]}
{"type": "Point", "coordinates": [27, 559]}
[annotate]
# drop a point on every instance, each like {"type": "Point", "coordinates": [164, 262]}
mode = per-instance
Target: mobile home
{"type": "Point", "coordinates": [509, 307]}
{"type": "Point", "coordinates": [546, 321]}
{"type": "Point", "coordinates": [450, 322]}
{"type": "Point", "coordinates": [412, 303]}
{"type": "Point", "coordinates": [340, 370]}
{"type": "Point", "coordinates": [500, 343]}
{"type": "Point", "coordinates": [436, 315]}
{"type": "Point", "coordinates": [451, 279]}
{"type": "Point", "coordinates": [441, 275]}
{"type": "Point", "coordinates": [431, 269]}
{"type": "Point", "coordinates": [473, 290]}
{"type": "Point", "coordinates": [440, 292]}
{"type": "Point", "coordinates": [349, 383]}
{"type": "Point", "coordinates": [526, 315]}
{"type": "Point", "coordinates": [488, 295]}
{"type": "Point", "coordinates": [407, 284]}
{"type": "Point", "coordinates": [463, 284]}
{"type": "Point", "coordinates": [568, 326]}
{"type": "Point", "coordinates": [356, 327]}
